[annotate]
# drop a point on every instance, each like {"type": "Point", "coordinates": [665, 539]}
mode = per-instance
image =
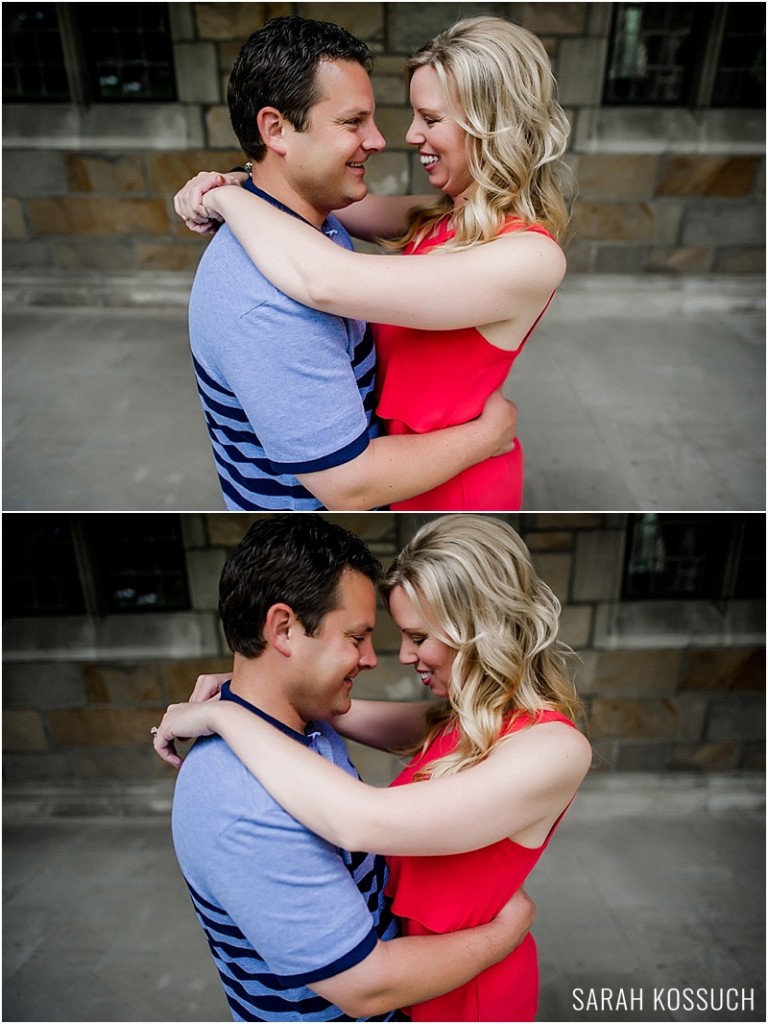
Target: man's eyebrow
{"type": "Point", "coordinates": [344, 115]}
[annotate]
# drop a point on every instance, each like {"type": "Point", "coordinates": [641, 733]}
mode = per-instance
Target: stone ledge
{"type": "Point", "coordinates": [581, 295]}
{"type": "Point", "coordinates": [89, 289]}
{"type": "Point", "coordinates": [603, 795]}
{"type": "Point", "coordinates": [669, 794]}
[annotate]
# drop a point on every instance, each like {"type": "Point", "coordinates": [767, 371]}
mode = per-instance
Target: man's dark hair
{"type": "Point", "coordinates": [276, 68]}
{"type": "Point", "coordinates": [295, 559]}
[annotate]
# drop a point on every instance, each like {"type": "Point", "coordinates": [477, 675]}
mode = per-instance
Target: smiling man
{"type": "Point", "coordinates": [301, 929]}
{"type": "Point", "coordinates": [288, 392]}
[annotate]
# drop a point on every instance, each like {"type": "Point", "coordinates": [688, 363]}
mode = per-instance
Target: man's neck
{"type": "Point", "coordinates": [275, 185]}
{"type": "Point", "coordinates": [254, 682]}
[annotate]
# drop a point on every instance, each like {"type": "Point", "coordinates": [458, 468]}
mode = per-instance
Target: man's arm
{"type": "Point", "coordinates": [384, 724]}
{"type": "Point", "coordinates": [416, 968]}
{"type": "Point", "coordinates": [399, 467]}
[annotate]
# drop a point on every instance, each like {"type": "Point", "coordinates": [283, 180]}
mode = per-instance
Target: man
{"type": "Point", "coordinates": [288, 391]}
{"type": "Point", "coordinates": [299, 929]}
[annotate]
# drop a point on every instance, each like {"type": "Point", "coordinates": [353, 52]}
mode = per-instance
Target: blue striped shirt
{"type": "Point", "coordinates": [285, 389]}
{"type": "Point", "coordinates": [280, 907]}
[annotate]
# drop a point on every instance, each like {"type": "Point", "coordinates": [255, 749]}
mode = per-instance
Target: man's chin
{"type": "Point", "coordinates": [345, 201]}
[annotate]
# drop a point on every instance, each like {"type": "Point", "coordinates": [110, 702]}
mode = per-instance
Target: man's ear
{"type": "Point", "coordinates": [271, 125]}
{"type": "Point", "coordinates": [280, 627]}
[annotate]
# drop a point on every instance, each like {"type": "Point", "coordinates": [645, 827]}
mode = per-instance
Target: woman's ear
{"type": "Point", "coordinates": [271, 125]}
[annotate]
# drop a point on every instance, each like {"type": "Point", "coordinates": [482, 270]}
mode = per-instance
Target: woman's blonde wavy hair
{"type": "Point", "coordinates": [500, 89]}
{"type": "Point", "coordinates": [470, 577]}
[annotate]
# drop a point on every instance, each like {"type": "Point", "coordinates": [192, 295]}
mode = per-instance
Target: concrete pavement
{"type": "Point", "coordinates": [652, 886]}
{"type": "Point", "coordinates": [634, 394]}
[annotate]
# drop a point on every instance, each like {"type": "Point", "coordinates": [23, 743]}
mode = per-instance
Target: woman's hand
{"type": "Point", "coordinates": [183, 722]}
{"type": "Point", "coordinates": [208, 686]}
{"type": "Point", "coordinates": [189, 205]}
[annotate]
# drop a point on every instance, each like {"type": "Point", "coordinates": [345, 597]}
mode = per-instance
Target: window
{"type": "Point", "coordinates": [707, 557]}
{"type": "Point", "coordinates": [687, 54]}
{"type": "Point", "coordinates": [33, 57]}
{"type": "Point", "coordinates": [41, 575]}
{"type": "Point", "coordinates": [128, 52]}
{"type": "Point", "coordinates": [740, 77]}
{"type": "Point", "coordinates": [87, 53]}
{"type": "Point", "coordinates": [140, 562]}
{"type": "Point", "coordinates": [98, 565]}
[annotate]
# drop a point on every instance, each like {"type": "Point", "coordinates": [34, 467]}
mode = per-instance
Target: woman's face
{"type": "Point", "coordinates": [419, 647]}
{"type": "Point", "coordinates": [441, 141]}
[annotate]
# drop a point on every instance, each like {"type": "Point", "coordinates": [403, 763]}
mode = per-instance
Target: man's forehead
{"type": "Point", "coordinates": [346, 82]}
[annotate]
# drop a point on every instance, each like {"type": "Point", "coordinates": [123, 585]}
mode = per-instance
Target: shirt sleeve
{"type": "Point", "coordinates": [293, 374]}
{"type": "Point", "coordinates": [291, 894]}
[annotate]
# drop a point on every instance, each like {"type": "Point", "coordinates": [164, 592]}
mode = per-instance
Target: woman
{"type": "Point", "coordinates": [490, 136]}
{"type": "Point", "coordinates": [499, 756]}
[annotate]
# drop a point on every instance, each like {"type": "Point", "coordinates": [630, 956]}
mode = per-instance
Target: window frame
{"type": "Point", "coordinates": [701, 72]}
{"type": "Point", "coordinates": [78, 69]}
{"type": "Point", "coordinates": [93, 580]}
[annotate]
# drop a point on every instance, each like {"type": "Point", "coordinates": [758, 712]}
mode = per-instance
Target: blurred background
{"type": "Point", "coordinates": [108, 109]}
{"type": "Point", "coordinates": [656, 877]}
{"type": "Point", "coordinates": [108, 618]}
{"type": "Point", "coordinates": [644, 388]}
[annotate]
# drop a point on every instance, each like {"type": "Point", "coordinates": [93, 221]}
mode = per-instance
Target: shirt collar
{"type": "Point", "coordinates": [326, 227]}
{"type": "Point", "coordinates": [226, 694]}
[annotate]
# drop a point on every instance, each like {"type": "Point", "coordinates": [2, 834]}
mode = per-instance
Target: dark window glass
{"type": "Point", "coordinates": [750, 569]}
{"type": "Point", "coordinates": [139, 562]}
{"type": "Point", "coordinates": [740, 77]}
{"type": "Point", "coordinates": [707, 557]}
{"type": "Point", "coordinates": [128, 51]}
{"type": "Point", "coordinates": [652, 52]}
{"type": "Point", "coordinates": [33, 58]}
{"type": "Point", "coordinates": [40, 571]}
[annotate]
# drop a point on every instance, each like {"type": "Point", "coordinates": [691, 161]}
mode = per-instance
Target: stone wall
{"type": "Point", "coordinates": [664, 190]}
{"type": "Point", "coordinates": [677, 687]}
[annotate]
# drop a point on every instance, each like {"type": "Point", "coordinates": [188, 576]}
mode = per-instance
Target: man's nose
{"type": "Point", "coordinates": [368, 657]}
{"type": "Point", "coordinates": [375, 141]}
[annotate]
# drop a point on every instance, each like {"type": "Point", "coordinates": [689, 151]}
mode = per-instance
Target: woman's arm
{"type": "Point", "coordinates": [369, 219]}
{"type": "Point", "coordinates": [528, 778]}
{"type": "Point", "coordinates": [509, 278]}
{"type": "Point", "coordinates": [188, 201]}
{"type": "Point", "coordinates": [384, 724]}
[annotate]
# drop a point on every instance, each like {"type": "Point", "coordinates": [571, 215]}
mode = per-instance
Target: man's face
{"type": "Point", "coordinates": [325, 665]}
{"type": "Point", "coordinates": [325, 164]}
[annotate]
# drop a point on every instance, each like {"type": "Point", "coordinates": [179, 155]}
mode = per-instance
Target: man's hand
{"type": "Point", "coordinates": [499, 416]}
{"type": "Point", "coordinates": [188, 201]}
{"type": "Point", "coordinates": [516, 918]}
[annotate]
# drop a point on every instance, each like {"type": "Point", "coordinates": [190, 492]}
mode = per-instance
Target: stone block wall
{"type": "Point", "coordinates": [672, 191]}
{"type": "Point", "coordinates": [678, 690]}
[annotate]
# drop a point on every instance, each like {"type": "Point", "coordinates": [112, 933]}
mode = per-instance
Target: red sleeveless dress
{"type": "Point", "coordinates": [433, 379]}
{"type": "Point", "coordinates": [434, 895]}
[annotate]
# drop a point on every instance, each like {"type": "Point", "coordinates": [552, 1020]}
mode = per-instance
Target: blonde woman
{"type": "Point", "coordinates": [499, 756]}
{"type": "Point", "coordinates": [449, 326]}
